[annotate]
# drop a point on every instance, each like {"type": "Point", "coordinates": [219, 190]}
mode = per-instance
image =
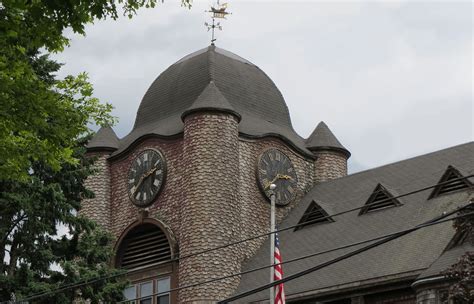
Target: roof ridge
{"type": "Point", "coordinates": [399, 161]}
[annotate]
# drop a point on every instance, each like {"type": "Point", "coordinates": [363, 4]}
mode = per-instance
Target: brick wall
{"type": "Point", "coordinates": [329, 165]}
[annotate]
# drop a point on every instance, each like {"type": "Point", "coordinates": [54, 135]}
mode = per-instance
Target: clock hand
{"type": "Point", "coordinates": [143, 177]}
{"type": "Point", "coordinates": [282, 176]}
{"type": "Point", "coordinates": [278, 176]}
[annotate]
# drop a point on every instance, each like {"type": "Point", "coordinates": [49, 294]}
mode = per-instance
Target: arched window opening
{"type": "Point", "coordinates": [145, 245]}
{"type": "Point", "coordinates": [146, 252]}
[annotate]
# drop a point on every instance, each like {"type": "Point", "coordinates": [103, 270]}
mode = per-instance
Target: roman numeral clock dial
{"type": "Point", "coordinates": [146, 177]}
{"type": "Point", "coordinates": [274, 167]}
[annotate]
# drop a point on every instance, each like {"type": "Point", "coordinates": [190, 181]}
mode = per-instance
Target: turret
{"type": "Point", "coordinates": [103, 143]}
{"type": "Point", "coordinates": [210, 208]}
{"type": "Point", "coordinates": [331, 155]}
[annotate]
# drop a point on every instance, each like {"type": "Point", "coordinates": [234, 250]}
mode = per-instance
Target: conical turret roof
{"type": "Point", "coordinates": [211, 99]}
{"type": "Point", "coordinates": [104, 139]}
{"type": "Point", "coordinates": [323, 139]}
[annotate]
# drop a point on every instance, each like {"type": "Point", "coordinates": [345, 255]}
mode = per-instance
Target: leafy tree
{"type": "Point", "coordinates": [31, 213]}
{"type": "Point", "coordinates": [462, 272]}
{"type": "Point", "coordinates": [38, 120]}
{"type": "Point", "coordinates": [42, 167]}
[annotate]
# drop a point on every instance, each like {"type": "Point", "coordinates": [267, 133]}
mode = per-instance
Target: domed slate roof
{"type": "Point", "coordinates": [246, 89]}
{"type": "Point", "coordinates": [323, 139]}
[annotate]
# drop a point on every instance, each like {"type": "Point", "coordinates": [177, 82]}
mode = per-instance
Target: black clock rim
{"type": "Point", "coordinates": [165, 171]}
{"type": "Point", "coordinates": [260, 186]}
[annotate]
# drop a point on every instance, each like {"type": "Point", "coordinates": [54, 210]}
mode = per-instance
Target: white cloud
{"type": "Point", "coordinates": [391, 79]}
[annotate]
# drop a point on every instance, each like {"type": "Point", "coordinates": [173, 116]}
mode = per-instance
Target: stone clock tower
{"type": "Point", "coordinates": [210, 133]}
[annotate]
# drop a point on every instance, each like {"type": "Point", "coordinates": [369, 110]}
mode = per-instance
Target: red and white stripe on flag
{"type": "Point", "coordinates": [279, 290]}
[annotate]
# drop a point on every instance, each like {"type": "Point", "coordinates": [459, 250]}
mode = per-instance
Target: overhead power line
{"type": "Point", "coordinates": [427, 224]}
{"type": "Point", "coordinates": [424, 225]}
{"type": "Point", "coordinates": [321, 218]}
{"type": "Point", "coordinates": [341, 258]}
{"type": "Point", "coordinates": [86, 282]}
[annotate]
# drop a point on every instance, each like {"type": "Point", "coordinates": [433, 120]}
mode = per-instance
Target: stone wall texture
{"type": "Point", "coordinates": [329, 165]}
{"type": "Point", "coordinates": [98, 208]}
{"type": "Point", "coordinates": [210, 208]}
{"type": "Point", "coordinates": [255, 214]}
{"type": "Point", "coordinates": [210, 198]}
{"type": "Point", "coordinates": [166, 206]}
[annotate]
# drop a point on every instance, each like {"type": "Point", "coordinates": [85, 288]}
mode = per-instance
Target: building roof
{"type": "Point", "coordinates": [448, 258]}
{"type": "Point", "coordinates": [247, 90]}
{"type": "Point", "coordinates": [104, 139]}
{"type": "Point", "coordinates": [406, 257]}
{"type": "Point", "coordinates": [323, 139]}
{"type": "Point", "coordinates": [211, 99]}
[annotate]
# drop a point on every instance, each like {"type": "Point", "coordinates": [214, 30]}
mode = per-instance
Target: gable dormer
{"type": "Point", "coordinates": [314, 214]}
{"type": "Point", "coordinates": [380, 199]}
{"type": "Point", "coordinates": [451, 181]}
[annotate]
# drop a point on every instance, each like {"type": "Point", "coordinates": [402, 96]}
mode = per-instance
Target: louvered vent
{"type": "Point", "coordinates": [380, 199]}
{"type": "Point", "coordinates": [144, 246]}
{"type": "Point", "coordinates": [313, 215]}
{"type": "Point", "coordinates": [451, 181]}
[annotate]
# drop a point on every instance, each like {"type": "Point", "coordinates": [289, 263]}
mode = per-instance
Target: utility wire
{"type": "Point", "coordinates": [424, 225]}
{"type": "Point", "coordinates": [86, 282]}
{"type": "Point", "coordinates": [321, 218]}
{"type": "Point", "coordinates": [342, 257]}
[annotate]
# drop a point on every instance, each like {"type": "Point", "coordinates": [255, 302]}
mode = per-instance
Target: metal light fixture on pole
{"type": "Point", "coordinates": [272, 240]}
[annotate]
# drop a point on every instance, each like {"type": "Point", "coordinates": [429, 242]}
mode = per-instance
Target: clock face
{"type": "Point", "coordinates": [274, 167]}
{"type": "Point", "coordinates": [146, 177]}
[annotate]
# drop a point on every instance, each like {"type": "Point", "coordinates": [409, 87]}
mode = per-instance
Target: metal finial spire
{"type": "Point", "coordinates": [217, 11]}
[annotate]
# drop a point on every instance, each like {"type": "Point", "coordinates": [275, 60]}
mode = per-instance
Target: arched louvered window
{"type": "Point", "coordinates": [143, 246]}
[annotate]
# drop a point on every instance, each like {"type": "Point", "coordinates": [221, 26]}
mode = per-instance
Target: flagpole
{"type": "Point", "coordinates": [272, 240]}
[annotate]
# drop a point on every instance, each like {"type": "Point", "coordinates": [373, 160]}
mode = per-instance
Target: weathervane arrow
{"type": "Point", "coordinates": [218, 11]}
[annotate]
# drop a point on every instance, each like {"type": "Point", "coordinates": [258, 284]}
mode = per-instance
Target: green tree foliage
{"type": "Point", "coordinates": [31, 213]}
{"type": "Point", "coordinates": [40, 117]}
{"type": "Point", "coordinates": [41, 169]}
{"type": "Point", "coordinates": [462, 273]}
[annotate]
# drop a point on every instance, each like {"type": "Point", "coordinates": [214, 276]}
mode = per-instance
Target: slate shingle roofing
{"type": "Point", "coordinates": [323, 139]}
{"type": "Point", "coordinates": [402, 259]}
{"type": "Point", "coordinates": [105, 138]}
{"type": "Point", "coordinates": [246, 89]}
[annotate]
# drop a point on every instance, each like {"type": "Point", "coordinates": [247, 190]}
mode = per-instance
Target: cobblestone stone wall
{"type": "Point", "coordinates": [98, 208]}
{"type": "Point", "coordinates": [210, 198]}
{"type": "Point", "coordinates": [255, 214]}
{"type": "Point", "coordinates": [210, 208]}
{"type": "Point", "coordinates": [166, 205]}
{"type": "Point", "coordinates": [434, 293]}
{"type": "Point", "coordinates": [329, 165]}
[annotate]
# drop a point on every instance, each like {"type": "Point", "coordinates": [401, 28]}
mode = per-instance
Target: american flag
{"type": "Point", "coordinates": [279, 290]}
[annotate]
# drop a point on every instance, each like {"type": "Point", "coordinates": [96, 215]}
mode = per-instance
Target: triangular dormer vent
{"type": "Point", "coordinates": [314, 215]}
{"type": "Point", "coordinates": [380, 199]}
{"type": "Point", "coordinates": [451, 181]}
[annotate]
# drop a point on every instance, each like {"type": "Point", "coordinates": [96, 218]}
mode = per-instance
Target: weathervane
{"type": "Point", "coordinates": [217, 11]}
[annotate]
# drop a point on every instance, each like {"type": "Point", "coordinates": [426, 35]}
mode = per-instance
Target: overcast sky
{"type": "Point", "coordinates": [391, 79]}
